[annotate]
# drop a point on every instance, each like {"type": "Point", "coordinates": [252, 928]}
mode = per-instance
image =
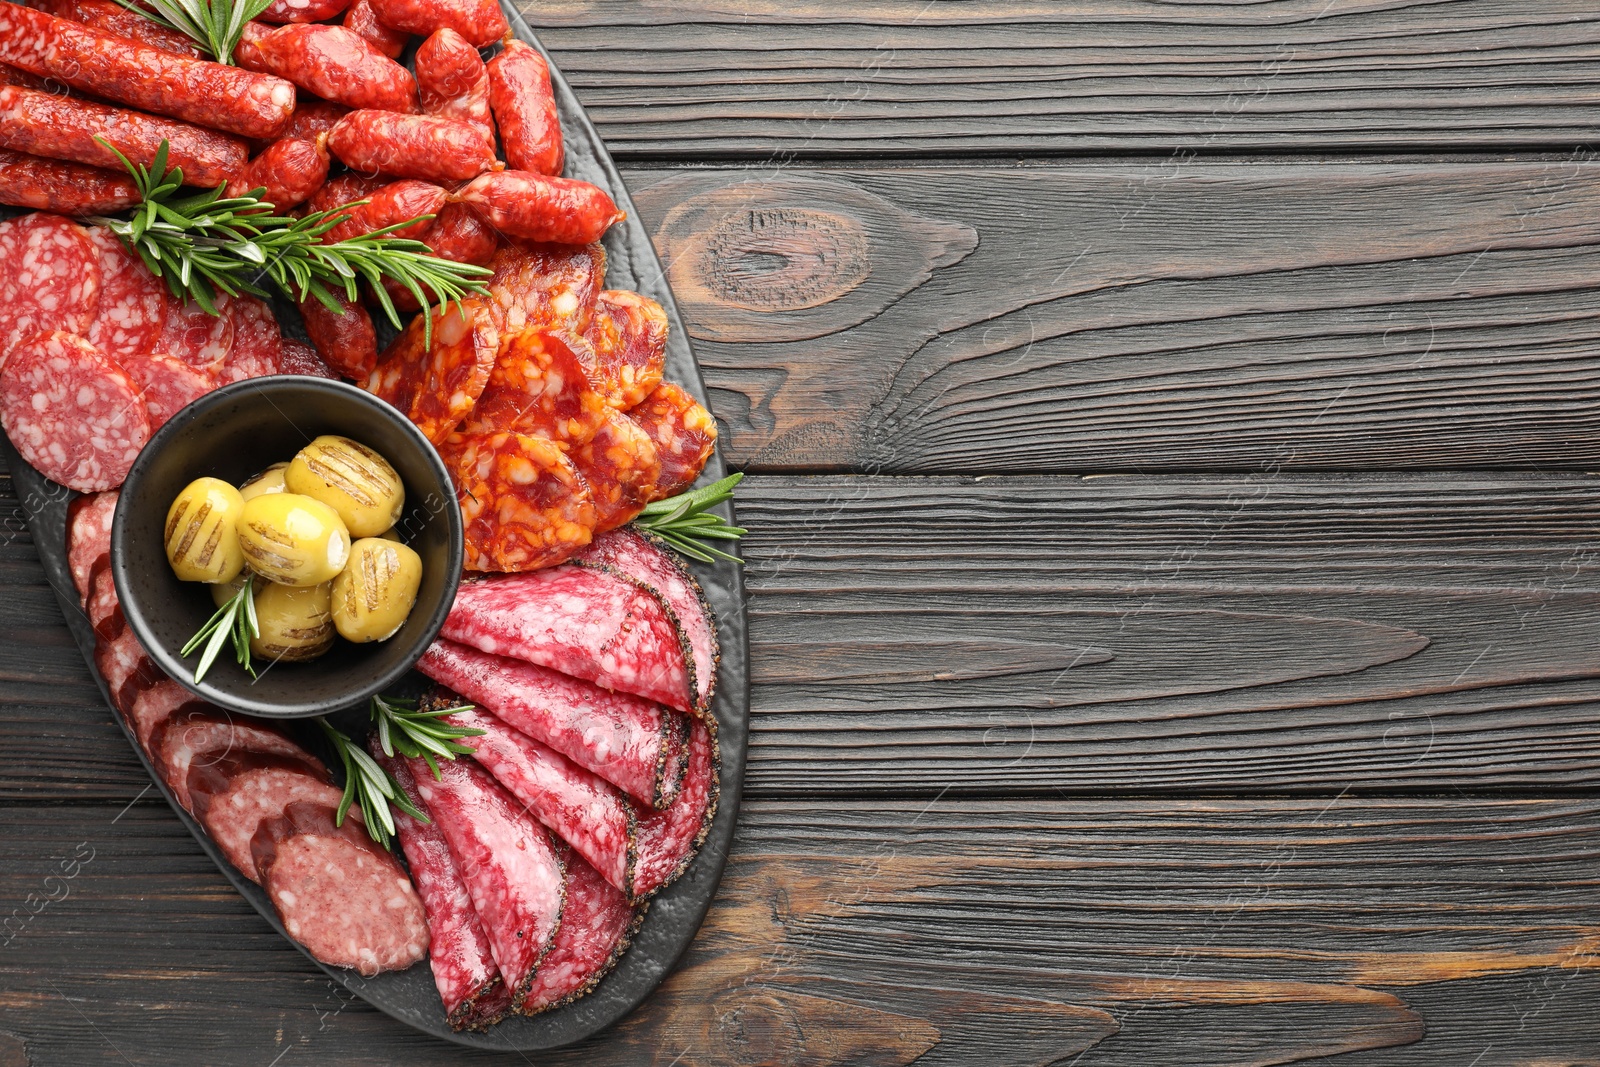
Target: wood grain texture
{"type": "Point", "coordinates": [1159, 317]}
{"type": "Point", "coordinates": [1090, 636]}
{"type": "Point", "coordinates": [1202, 932]}
{"type": "Point", "coordinates": [700, 79]}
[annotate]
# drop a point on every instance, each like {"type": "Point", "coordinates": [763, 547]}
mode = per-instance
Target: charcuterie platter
{"type": "Point", "coordinates": [539, 817]}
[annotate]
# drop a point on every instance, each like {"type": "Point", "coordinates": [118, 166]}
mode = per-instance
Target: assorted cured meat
{"type": "Point", "coordinates": [580, 650]}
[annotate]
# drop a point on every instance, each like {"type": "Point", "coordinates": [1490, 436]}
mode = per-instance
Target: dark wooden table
{"type": "Point", "coordinates": [1173, 558]}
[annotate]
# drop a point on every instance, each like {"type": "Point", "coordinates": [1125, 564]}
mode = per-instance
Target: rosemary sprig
{"type": "Point", "coordinates": [203, 243]}
{"type": "Point", "coordinates": [404, 729]}
{"type": "Point", "coordinates": [237, 620]}
{"type": "Point", "coordinates": [682, 521]}
{"type": "Point", "coordinates": [214, 25]}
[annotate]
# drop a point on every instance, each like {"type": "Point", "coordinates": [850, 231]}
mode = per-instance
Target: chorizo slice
{"type": "Point", "coordinates": [628, 334]}
{"type": "Point", "coordinates": [546, 286]}
{"type": "Point", "coordinates": [684, 434]}
{"type": "Point", "coordinates": [436, 382]}
{"type": "Point", "coordinates": [619, 462]}
{"type": "Point", "coordinates": [592, 624]}
{"type": "Point", "coordinates": [523, 504]}
{"type": "Point", "coordinates": [540, 386]}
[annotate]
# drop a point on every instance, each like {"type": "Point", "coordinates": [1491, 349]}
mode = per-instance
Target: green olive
{"type": "Point", "coordinates": [263, 482]}
{"type": "Point", "coordinates": [351, 479]}
{"type": "Point", "coordinates": [223, 592]}
{"type": "Point", "coordinates": [377, 589]}
{"type": "Point", "coordinates": [201, 535]}
{"type": "Point", "coordinates": [295, 622]}
{"type": "Point", "coordinates": [292, 539]}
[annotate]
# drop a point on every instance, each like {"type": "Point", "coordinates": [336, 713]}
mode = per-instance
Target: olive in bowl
{"type": "Point", "coordinates": [232, 436]}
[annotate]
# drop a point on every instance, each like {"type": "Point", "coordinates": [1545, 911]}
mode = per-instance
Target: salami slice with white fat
{"type": "Point", "coordinates": [125, 667]}
{"type": "Point", "coordinates": [201, 738]}
{"type": "Point", "coordinates": [231, 796]}
{"type": "Point", "coordinates": [596, 926]}
{"type": "Point", "coordinates": [592, 624]}
{"type": "Point", "coordinates": [513, 872]}
{"type": "Point", "coordinates": [89, 521]}
{"type": "Point", "coordinates": [132, 309]}
{"type": "Point", "coordinates": [337, 892]}
{"type": "Point", "coordinates": [578, 806]}
{"type": "Point", "coordinates": [155, 705]}
{"type": "Point", "coordinates": [51, 279]}
{"type": "Point", "coordinates": [643, 559]}
{"type": "Point", "coordinates": [197, 337]}
{"type": "Point", "coordinates": [257, 342]}
{"type": "Point", "coordinates": [620, 737]}
{"type": "Point", "coordinates": [167, 385]}
{"type": "Point", "coordinates": [102, 608]}
{"type": "Point", "coordinates": [463, 965]}
{"type": "Point", "coordinates": [71, 412]}
{"type": "Point", "coordinates": [669, 839]}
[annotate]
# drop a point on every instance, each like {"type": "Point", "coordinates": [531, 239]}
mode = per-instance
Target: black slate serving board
{"type": "Point", "coordinates": [675, 915]}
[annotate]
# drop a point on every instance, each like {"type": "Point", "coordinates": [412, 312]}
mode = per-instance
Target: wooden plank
{"type": "Point", "coordinates": [1390, 931]}
{"type": "Point", "coordinates": [1100, 635]}
{"type": "Point", "coordinates": [1156, 317]}
{"type": "Point", "coordinates": [700, 79]}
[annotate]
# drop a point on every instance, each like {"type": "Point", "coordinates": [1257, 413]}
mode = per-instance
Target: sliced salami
{"type": "Point", "coordinates": [51, 279]}
{"type": "Point", "coordinates": [200, 738]}
{"type": "Point", "coordinates": [668, 839]}
{"type": "Point", "coordinates": [628, 336]}
{"type": "Point", "coordinates": [132, 309]}
{"type": "Point", "coordinates": [596, 926]}
{"type": "Point", "coordinates": [463, 964]}
{"type": "Point", "coordinates": [642, 558]}
{"type": "Point", "coordinates": [232, 796]}
{"type": "Point", "coordinates": [126, 669]}
{"type": "Point", "coordinates": [523, 504]}
{"type": "Point", "coordinates": [300, 358]}
{"type": "Point", "coordinates": [257, 342]}
{"type": "Point", "coordinates": [337, 893]}
{"type": "Point", "coordinates": [577, 805]}
{"type": "Point", "coordinates": [513, 872]}
{"type": "Point", "coordinates": [167, 385]}
{"type": "Point", "coordinates": [89, 520]}
{"type": "Point", "coordinates": [541, 287]}
{"type": "Point", "coordinates": [71, 412]}
{"type": "Point", "coordinates": [621, 738]}
{"type": "Point", "coordinates": [539, 387]}
{"type": "Point", "coordinates": [619, 463]}
{"type": "Point", "coordinates": [437, 383]}
{"type": "Point", "coordinates": [197, 337]}
{"type": "Point", "coordinates": [591, 624]}
{"type": "Point", "coordinates": [155, 705]}
{"type": "Point", "coordinates": [684, 434]}
{"type": "Point", "coordinates": [102, 608]}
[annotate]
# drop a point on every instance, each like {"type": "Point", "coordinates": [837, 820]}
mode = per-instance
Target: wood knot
{"type": "Point", "coordinates": [780, 258]}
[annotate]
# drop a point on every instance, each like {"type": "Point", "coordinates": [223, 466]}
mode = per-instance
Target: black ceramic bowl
{"type": "Point", "coordinates": [231, 434]}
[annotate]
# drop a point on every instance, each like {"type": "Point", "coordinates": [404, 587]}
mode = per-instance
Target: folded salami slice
{"type": "Point", "coordinates": [644, 559]}
{"type": "Point", "coordinates": [514, 874]}
{"type": "Point", "coordinates": [668, 839]}
{"type": "Point", "coordinates": [89, 535]}
{"type": "Point", "coordinates": [125, 667]}
{"type": "Point", "coordinates": [579, 807]}
{"type": "Point", "coordinates": [596, 926]}
{"type": "Point", "coordinates": [463, 965]}
{"type": "Point", "coordinates": [619, 737]}
{"type": "Point", "coordinates": [232, 796]}
{"type": "Point", "coordinates": [199, 738]}
{"type": "Point", "coordinates": [340, 895]}
{"type": "Point", "coordinates": [155, 705]}
{"type": "Point", "coordinates": [102, 607]}
{"type": "Point", "coordinates": [590, 623]}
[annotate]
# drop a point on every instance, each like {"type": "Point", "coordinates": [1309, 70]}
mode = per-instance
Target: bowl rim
{"type": "Point", "coordinates": [183, 673]}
